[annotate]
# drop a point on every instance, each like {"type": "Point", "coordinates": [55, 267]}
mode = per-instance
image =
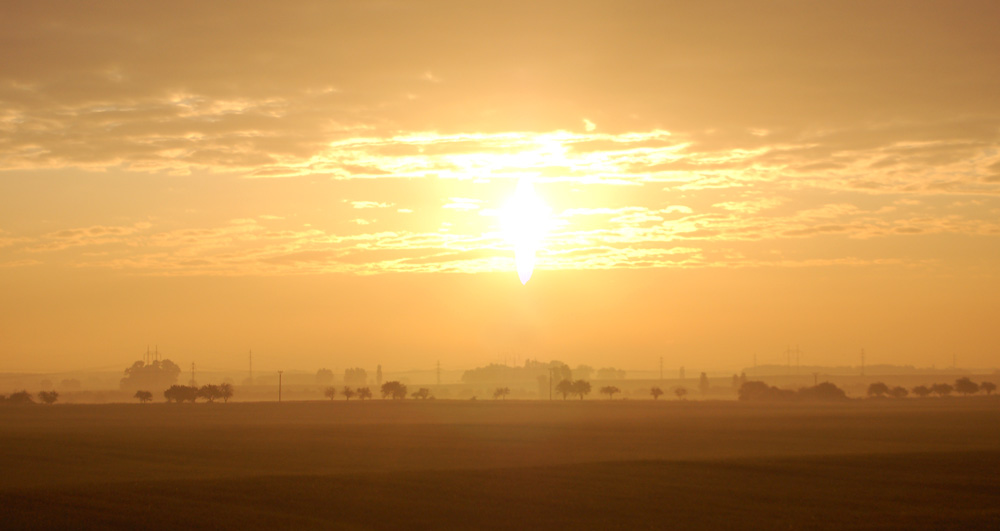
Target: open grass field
{"type": "Point", "coordinates": [909, 464]}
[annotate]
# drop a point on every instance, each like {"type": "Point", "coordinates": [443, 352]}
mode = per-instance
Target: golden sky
{"type": "Point", "coordinates": [326, 182]}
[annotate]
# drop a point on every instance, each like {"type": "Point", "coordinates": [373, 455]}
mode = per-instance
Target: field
{"type": "Point", "coordinates": [440, 464]}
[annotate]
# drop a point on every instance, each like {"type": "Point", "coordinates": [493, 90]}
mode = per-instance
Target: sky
{"type": "Point", "coordinates": [334, 184]}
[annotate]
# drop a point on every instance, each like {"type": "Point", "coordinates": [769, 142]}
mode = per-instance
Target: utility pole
{"type": "Point", "coordinates": [815, 378]}
{"type": "Point", "coordinates": [279, 386]}
{"type": "Point", "coordinates": [439, 372]}
{"type": "Point", "coordinates": [193, 382]}
{"type": "Point", "coordinates": [661, 370]}
{"type": "Point", "coordinates": [251, 366]}
{"type": "Point", "coordinates": [862, 362]}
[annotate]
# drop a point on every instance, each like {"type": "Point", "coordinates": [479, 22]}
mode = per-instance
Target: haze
{"type": "Point", "coordinates": [324, 183]}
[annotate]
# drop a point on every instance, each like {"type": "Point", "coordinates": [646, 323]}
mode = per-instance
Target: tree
{"type": "Point", "coordinates": [877, 389]}
{"type": "Point", "coordinates": [348, 393]}
{"type": "Point", "coordinates": [324, 377]}
{"type": "Point", "coordinates": [680, 392]}
{"type": "Point", "coordinates": [703, 384]}
{"type": "Point", "coordinates": [180, 393]}
{"type": "Point", "coordinates": [922, 391]}
{"type": "Point", "coordinates": [966, 386]}
{"type": "Point", "coordinates": [898, 392]}
{"type": "Point", "coordinates": [421, 393]}
{"type": "Point", "coordinates": [225, 392]}
{"type": "Point", "coordinates": [824, 392]}
{"type": "Point", "coordinates": [610, 390]}
{"type": "Point", "coordinates": [209, 392]}
{"type": "Point", "coordinates": [989, 387]}
{"type": "Point", "coordinates": [20, 398]}
{"type": "Point", "coordinates": [157, 374]}
{"type": "Point", "coordinates": [501, 392]}
{"type": "Point", "coordinates": [355, 376]}
{"type": "Point", "coordinates": [393, 389]}
{"type": "Point", "coordinates": [583, 371]}
{"type": "Point", "coordinates": [656, 392]}
{"type": "Point", "coordinates": [565, 388]}
{"type": "Point", "coordinates": [581, 387]}
{"type": "Point", "coordinates": [48, 397]}
{"type": "Point", "coordinates": [330, 392]}
{"type": "Point", "coordinates": [942, 389]}
{"type": "Point", "coordinates": [143, 396]}
{"type": "Point", "coordinates": [363, 393]}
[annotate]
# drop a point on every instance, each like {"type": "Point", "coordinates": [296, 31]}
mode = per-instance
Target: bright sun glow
{"type": "Point", "coordinates": [525, 222]}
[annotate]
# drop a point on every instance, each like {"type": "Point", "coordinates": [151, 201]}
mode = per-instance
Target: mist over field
{"type": "Point", "coordinates": [532, 264]}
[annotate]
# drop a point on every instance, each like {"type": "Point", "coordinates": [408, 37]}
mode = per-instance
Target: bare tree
{"type": "Point", "coordinates": [656, 392]}
{"type": "Point", "coordinates": [610, 390]}
{"type": "Point", "coordinates": [143, 396]}
{"type": "Point", "coordinates": [330, 392]}
{"type": "Point", "coordinates": [501, 392]}
{"type": "Point", "coordinates": [680, 392]}
{"type": "Point", "coordinates": [348, 393]}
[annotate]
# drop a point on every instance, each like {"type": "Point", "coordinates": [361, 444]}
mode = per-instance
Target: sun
{"type": "Point", "coordinates": [525, 220]}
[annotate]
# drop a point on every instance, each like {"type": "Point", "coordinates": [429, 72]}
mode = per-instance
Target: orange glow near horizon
{"type": "Point", "coordinates": [346, 184]}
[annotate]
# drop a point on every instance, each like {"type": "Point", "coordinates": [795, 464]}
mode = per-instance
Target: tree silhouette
{"type": "Point", "coordinates": [20, 398]}
{"type": "Point", "coordinates": [209, 392]}
{"type": "Point", "coordinates": [581, 387]}
{"type": "Point", "coordinates": [48, 397]}
{"type": "Point", "coordinates": [355, 376]}
{"type": "Point", "coordinates": [143, 396]}
{"type": "Point", "coordinates": [898, 392]}
{"type": "Point", "coordinates": [501, 392]}
{"type": "Point", "coordinates": [703, 384]}
{"type": "Point", "coordinates": [922, 391]}
{"type": "Point", "coordinates": [989, 387]}
{"type": "Point", "coordinates": [610, 390]}
{"type": "Point", "coordinates": [421, 393]}
{"type": "Point", "coordinates": [942, 389]}
{"type": "Point", "coordinates": [680, 392]}
{"type": "Point", "coordinates": [363, 393]}
{"type": "Point", "coordinates": [180, 393]}
{"type": "Point", "coordinates": [656, 392]}
{"type": "Point", "coordinates": [565, 388]}
{"type": "Point", "coordinates": [966, 386]}
{"type": "Point", "coordinates": [877, 389]}
{"type": "Point", "coordinates": [225, 392]}
{"type": "Point", "coordinates": [348, 393]}
{"type": "Point", "coordinates": [330, 392]}
{"type": "Point", "coordinates": [394, 389]}
{"type": "Point", "coordinates": [158, 374]}
{"type": "Point", "coordinates": [823, 392]}
{"type": "Point", "coordinates": [324, 377]}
